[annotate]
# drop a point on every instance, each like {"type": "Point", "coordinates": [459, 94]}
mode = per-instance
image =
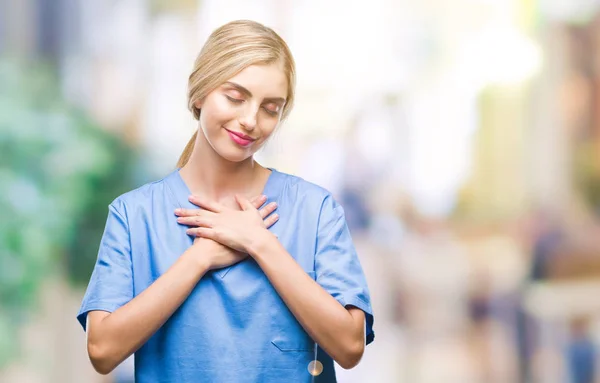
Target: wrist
{"type": "Point", "coordinates": [193, 257]}
{"type": "Point", "coordinates": [261, 242]}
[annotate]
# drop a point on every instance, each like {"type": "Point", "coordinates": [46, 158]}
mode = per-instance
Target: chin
{"type": "Point", "coordinates": [235, 155]}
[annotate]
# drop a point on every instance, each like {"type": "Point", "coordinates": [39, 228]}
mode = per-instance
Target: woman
{"type": "Point", "coordinates": [198, 275]}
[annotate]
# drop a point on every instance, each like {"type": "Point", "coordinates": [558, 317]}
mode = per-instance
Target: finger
{"type": "Point", "coordinates": [203, 232]}
{"type": "Point", "coordinates": [265, 211]}
{"type": "Point", "coordinates": [244, 203]}
{"type": "Point", "coordinates": [193, 212]}
{"type": "Point", "coordinates": [270, 221]}
{"type": "Point", "coordinates": [196, 221]}
{"type": "Point", "coordinates": [180, 212]}
{"type": "Point", "coordinates": [208, 205]}
{"type": "Point", "coordinates": [258, 201]}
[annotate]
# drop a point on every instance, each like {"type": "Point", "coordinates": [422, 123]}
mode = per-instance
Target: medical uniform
{"type": "Point", "coordinates": [233, 327]}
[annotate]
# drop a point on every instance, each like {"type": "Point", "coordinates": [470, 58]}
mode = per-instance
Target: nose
{"type": "Point", "coordinates": [248, 118]}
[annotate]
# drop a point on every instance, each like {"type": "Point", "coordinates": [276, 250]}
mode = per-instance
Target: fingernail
{"type": "Point", "coordinates": [179, 219]}
{"type": "Point", "coordinates": [275, 216]}
{"type": "Point", "coordinates": [177, 211]}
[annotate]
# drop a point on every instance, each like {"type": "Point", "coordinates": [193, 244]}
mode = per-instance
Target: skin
{"type": "Point", "coordinates": [222, 177]}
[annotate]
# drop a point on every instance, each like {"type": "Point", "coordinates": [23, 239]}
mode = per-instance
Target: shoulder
{"type": "Point", "coordinates": [296, 184]}
{"type": "Point", "coordinates": [302, 191]}
{"type": "Point", "coordinates": [141, 196]}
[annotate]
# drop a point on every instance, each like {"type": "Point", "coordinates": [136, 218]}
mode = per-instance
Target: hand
{"type": "Point", "coordinates": [236, 229]}
{"type": "Point", "coordinates": [220, 256]}
{"type": "Point", "coordinates": [216, 255]}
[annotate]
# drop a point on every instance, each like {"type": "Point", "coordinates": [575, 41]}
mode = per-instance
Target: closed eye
{"type": "Point", "coordinates": [272, 109]}
{"type": "Point", "coordinates": [234, 100]}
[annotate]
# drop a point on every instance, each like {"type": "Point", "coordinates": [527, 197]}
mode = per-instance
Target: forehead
{"type": "Point", "coordinates": [263, 80]}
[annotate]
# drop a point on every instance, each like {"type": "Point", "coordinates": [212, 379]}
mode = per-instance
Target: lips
{"type": "Point", "coordinates": [241, 135]}
{"type": "Point", "coordinates": [240, 139]}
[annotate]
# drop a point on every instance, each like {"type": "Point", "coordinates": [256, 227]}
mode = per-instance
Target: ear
{"type": "Point", "coordinates": [198, 104]}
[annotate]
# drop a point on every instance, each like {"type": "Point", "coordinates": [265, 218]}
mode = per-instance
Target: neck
{"type": "Point", "coordinates": [209, 175]}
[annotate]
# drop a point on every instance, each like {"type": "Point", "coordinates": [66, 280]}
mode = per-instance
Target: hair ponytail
{"type": "Point", "coordinates": [187, 152]}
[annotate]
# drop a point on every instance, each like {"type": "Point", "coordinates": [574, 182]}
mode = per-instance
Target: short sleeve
{"type": "Point", "coordinates": [337, 266]}
{"type": "Point", "coordinates": [111, 283]}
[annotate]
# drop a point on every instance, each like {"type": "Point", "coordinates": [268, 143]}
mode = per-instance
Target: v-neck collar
{"type": "Point", "coordinates": [181, 191]}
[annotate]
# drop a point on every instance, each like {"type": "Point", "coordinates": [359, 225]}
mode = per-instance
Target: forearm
{"type": "Point", "coordinates": [117, 335]}
{"type": "Point", "coordinates": [338, 331]}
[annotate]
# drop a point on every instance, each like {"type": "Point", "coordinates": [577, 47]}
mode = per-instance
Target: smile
{"type": "Point", "coordinates": [240, 139]}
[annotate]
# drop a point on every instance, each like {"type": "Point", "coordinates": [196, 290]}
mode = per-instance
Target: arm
{"type": "Point", "coordinates": [332, 322]}
{"type": "Point", "coordinates": [339, 331]}
{"type": "Point", "coordinates": [113, 337]}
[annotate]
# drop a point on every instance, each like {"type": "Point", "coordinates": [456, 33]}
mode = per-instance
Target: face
{"type": "Point", "coordinates": [241, 114]}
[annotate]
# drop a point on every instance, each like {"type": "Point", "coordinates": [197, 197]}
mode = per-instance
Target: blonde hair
{"type": "Point", "coordinates": [230, 49]}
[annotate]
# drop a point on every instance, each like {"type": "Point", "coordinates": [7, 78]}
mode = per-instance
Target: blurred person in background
{"type": "Point", "coordinates": [196, 273]}
{"type": "Point", "coordinates": [581, 352]}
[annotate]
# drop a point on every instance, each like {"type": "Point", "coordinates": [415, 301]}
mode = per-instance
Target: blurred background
{"type": "Point", "coordinates": [461, 136]}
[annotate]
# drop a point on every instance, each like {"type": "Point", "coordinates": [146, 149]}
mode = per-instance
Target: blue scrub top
{"type": "Point", "coordinates": [233, 327]}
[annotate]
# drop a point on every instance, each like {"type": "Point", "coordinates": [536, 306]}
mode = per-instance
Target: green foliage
{"type": "Point", "coordinates": [58, 173]}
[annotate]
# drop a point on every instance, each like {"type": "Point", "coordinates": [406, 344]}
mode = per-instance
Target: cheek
{"type": "Point", "coordinates": [268, 127]}
{"type": "Point", "coordinates": [217, 112]}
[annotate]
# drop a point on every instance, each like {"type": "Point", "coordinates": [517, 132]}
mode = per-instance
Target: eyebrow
{"type": "Point", "coordinates": [246, 92]}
